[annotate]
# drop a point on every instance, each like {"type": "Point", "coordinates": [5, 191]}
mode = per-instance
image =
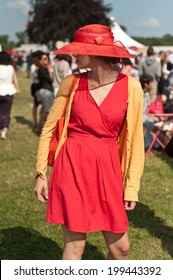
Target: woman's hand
{"type": "Point", "coordinates": [41, 189]}
{"type": "Point", "coordinates": [129, 205]}
{"type": "Point", "coordinates": [170, 88]}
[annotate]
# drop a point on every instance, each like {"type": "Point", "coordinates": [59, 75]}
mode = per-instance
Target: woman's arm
{"type": "Point", "coordinates": [136, 160]}
{"type": "Point", "coordinates": [15, 81]}
{"type": "Point", "coordinates": [47, 131]}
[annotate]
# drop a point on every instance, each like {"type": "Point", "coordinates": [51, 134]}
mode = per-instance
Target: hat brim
{"type": "Point", "coordinates": [78, 48]}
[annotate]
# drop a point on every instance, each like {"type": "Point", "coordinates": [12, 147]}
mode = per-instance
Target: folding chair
{"type": "Point", "coordinates": [162, 132]}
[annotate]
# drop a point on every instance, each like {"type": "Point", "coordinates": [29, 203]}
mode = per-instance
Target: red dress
{"type": "Point", "coordinates": [86, 189]}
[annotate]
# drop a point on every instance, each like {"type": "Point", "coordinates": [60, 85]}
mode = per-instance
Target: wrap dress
{"type": "Point", "coordinates": [86, 190]}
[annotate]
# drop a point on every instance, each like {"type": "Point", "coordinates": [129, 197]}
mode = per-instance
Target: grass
{"type": "Point", "coordinates": [24, 232]}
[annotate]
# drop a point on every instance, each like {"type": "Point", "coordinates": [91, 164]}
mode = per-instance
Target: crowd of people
{"type": "Point", "coordinates": [155, 75]}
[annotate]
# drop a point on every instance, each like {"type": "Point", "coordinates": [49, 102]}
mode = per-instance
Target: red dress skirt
{"type": "Point", "coordinates": [86, 189]}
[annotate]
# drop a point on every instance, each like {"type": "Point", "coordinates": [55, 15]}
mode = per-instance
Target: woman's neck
{"type": "Point", "coordinates": [102, 76]}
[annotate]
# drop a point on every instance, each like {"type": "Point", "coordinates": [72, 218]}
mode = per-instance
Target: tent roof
{"type": "Point", "coordinates": [120, 35]}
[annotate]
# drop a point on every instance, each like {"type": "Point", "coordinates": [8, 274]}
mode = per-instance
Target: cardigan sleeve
{"type": "Point", "coordinates": [47, 131]}
{"type": "Point", "coordinates": [136, 158]}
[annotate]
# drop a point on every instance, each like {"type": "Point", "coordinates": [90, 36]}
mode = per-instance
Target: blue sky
{"type": "Point", "coordinates": [142, 18]}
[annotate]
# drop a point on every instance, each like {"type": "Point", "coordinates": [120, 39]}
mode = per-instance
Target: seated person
{"type": "Point", "coordinates": [148, 121]}
{"type": "Point", "coordinates": [167, 95]}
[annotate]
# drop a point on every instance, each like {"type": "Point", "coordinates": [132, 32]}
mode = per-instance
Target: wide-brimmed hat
{"type": "Point", "coordinates": [96, 40]}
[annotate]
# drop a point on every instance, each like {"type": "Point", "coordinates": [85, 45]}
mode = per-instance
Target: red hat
{"type": "Point", "coordinates": [96, 40]}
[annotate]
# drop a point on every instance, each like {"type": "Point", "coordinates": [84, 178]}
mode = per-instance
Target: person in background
{"type": "Point", "coordinates": [102, 138]}
{"type": "Point", "coordinates": [151, 66]}
{"type": "Point", "coordinates": [74, 66]}
{"type": "Point", "coordinates": [167, 94]}
{"type": "Point", "coordinates": [164, 70]}
{"type": "Point", "coordinates": [45, 94]}
{"type": "Point", "coordinates": [147, 83]}
{"type": "Point", "coordinates": [61, 69]}
{"type": "Point", "coordinates": [29, 61]}
{"type": "Point", "coordinates": [8, 87]}
{"type": "Point", "coordinates": [127, 66]}
{"type": "Point", "coordinates": [34, 88]}
{"type": "Point", "coordinates": [148, 121]}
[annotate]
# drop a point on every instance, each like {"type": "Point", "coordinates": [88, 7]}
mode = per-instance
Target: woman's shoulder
{"type": "Point", "coordinates": [133, 80]}
{"type": "Point", "coordinates": [135, 89]}
{"type": "Point", "coordinates": [68, 79]}
{"type": "Point", "coordinates": [7, 67]}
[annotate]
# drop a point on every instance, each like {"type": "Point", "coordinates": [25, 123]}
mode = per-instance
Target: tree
{"type": "Point", "coordinates": [166, 40]}
{"type": "Point", "coordinates": [52, 20]}
{"type": "Point", "coordinates": [124, 28]}
{"type": "Point", "coordinates": [5, 43]}
{"type": "Point", "coordinates": [21, 36]}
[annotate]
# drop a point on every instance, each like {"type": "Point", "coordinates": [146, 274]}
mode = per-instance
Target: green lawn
{"type": "Point", "coordinates": [24, 232]}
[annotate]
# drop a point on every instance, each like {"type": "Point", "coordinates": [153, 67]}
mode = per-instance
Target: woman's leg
{"type": "Point", "coordinates": [34, 116]}
{"type": "Point", "coordinates": [6, 110]}
{"type": "Point", "coordinates": [8, 101]}
{"type": "Point", "coordinates": [1, 112]}
{"type": "Point", "coordinates": [118, 245]}
{"type": "Point", "coordinates": [74, 244]}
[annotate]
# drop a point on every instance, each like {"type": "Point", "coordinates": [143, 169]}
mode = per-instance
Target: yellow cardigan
{"type": "Point", "coordinates": [130, 141]}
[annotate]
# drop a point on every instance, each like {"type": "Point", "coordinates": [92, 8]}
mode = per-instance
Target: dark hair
{"type": "Point", "coordinates": [169, 66]}
{"type": "Point", "coordinates": [161, 52]}
{"type": "Point", "coordinates": [5, 58]}
{"type": "Point", "coordinates": [41, 55]}
{"type": "Point", "coordinates": [36, 53]}
{"type": "Point", "coordinates": [145, 79]}
{"type": "Point", "coordinates": [113, 60]}
{"type": "Point", "coordinates": [66, 57]}
{"type": "Point", "coordinates": [126, 61]}
{"type": "Point", "coordinates": [150, 51]}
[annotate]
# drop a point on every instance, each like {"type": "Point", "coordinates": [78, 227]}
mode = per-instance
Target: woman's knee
{"type": "Point", "coordinates": [120, 250]}
{"type": "Point", "coordinates": [74, 250]}
{"type": "Point", "coordinates": [118, 245]}
{"type": "Point", "coordinates": [75, 247]}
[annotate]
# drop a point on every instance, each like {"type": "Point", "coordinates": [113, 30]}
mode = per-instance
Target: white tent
{"type": "Point", "coordinates": [120, 35]}
{"type": "Point", "coordinates": [32, 47]}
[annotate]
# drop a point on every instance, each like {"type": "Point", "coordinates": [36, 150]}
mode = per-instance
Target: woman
{"type": "Point", "coordinates": [61, 69]}
{"type": "Point", "coordinates": [8, 87]}
{"type": "Point", "coordinates": [34, 89]}
{"type": "Point", "coordinates": [104, 139]}
{"type": "Point", "coordinates": [45, 93]}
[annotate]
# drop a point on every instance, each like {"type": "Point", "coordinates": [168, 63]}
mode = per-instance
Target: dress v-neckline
{"type": "Point", "coordinates": [107, 95]}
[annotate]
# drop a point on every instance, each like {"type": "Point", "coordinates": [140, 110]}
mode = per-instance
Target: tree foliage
{"type": "Point", "coordinates": [166, 40]}
{"type": "Point", "coordinates": [5, 43]}
{"type": "Point", "coordinates": [21, 37]}
{"type": "Point", "coordinates": [52, 20]}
